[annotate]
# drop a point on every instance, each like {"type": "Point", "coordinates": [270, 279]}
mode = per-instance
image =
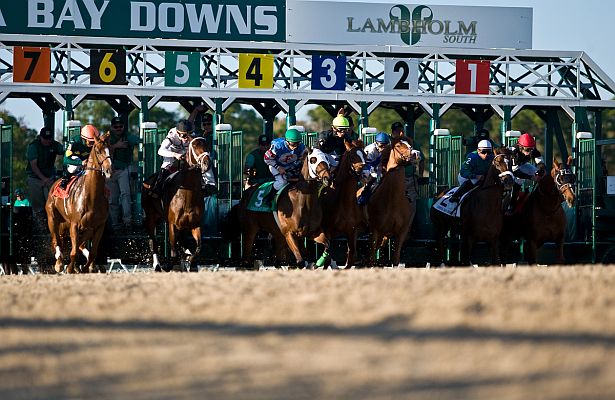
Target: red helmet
{"type": "Point", "coordinates": [89, 133]}
{"type": "Point", "coordinates": [526, 140]}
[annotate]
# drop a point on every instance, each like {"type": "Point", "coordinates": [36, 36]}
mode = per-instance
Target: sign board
{"type": "Point", "coordinates": [401, 74]}
{"type": "Point", "coordinates": [182, 69]}
{"type": "Point", "coordinates": [108, 67]}
{"type": "Point", "coordinates": [241, 20]}
{"type": "Point", "coordinates": [328, 72]}
{"type": "Point", "coordinates": [392, 23]}
{"type": "Point", "coordinates": [32, 64]}
{"type": "Point", "coordinates": [255, 71]}
{"type": "Point", "coordinates": [472, 76]}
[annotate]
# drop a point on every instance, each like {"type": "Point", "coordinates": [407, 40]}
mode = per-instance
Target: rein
{"type": "Point", "coordinates": [100, 163]}
{"type": "Point", "coordinates": [199, 159]}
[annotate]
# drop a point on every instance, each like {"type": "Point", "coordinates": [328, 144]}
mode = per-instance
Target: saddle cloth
{"type": "Point", "coordinates": [257, 200]}
{"type": "Point", "coordinates": [450, 208]}
{"type": "Point", "coordinates": [63, 193]}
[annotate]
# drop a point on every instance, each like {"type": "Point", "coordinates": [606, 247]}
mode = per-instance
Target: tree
{"type": "Point", "coordinates": [22, 136]}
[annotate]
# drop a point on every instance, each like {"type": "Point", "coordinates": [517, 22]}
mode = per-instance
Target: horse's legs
{"type": "Point", "coordinates": [467, 243]}
{"type": "Point", "coordinates": [325, 259]}
{"type": "Point", "coordinates": [150, 227]}
{"type": "Point", "coordinates": [399, 243]}
{"type": "Point", "coordinates": [196, 234]}
{"type": "Point", "coordinates": [374, 239]}
{"type": "Point", "coordinates": [530, 251]}
{"type": "Point", "coordinates": [294, 247]}
{"type": "Point", "coordinates": [494, 251]}
{"type": "Point", "coordinates": [352, 248]}
{"type": "Point", "coordinates": [54, 229]}
{"type": "Point", "coordinates": [73, 251]}
{"type": "Point", "coordinates": [91, 264]}
{"type": "Point", "coordinates": [559, 244]}
{"type": "Point", "coordinates": [249, 232]}
{"type": "Point", "coordinates": [172, 243]}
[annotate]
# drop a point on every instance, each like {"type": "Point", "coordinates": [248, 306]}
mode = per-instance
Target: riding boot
{"type": "Point", "coordinates": [366, 193]}
{"type": "Point", "coordinates": [65, 179]}
{"type": "Point", "coordinates": [159, 182]}
{"type": "Point", "coordinates": [463, 189]}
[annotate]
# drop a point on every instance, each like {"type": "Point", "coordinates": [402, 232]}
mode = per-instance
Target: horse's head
{"type": "Point", "coordinates": [356, 160]}
{"type": "Point", "coordinates": [502, 162]}
{"type": "Point", "coordinates": [564, 180]}
{"type": "Point", "coordinates": [197, 155]}
{"type": "Point", "coordinates": [318, 166]}
{"type": "Point", "coordinates": [100, 156]}
{"type": "Point", "coordinates": [399, 153]}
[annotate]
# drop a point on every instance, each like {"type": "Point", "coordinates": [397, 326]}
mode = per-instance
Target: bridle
{"type": "Point", "coordinates": [100, 162]}
{"type": "Point", "coordinates": [200, 158]}
{"type": "Point", "coordinates": [508, 172]}
{"type": "Point", "coordinates": [564, 178]}
{"type": "Point", "coordinates": [356, 172]}
{"type": "Point", "coordinates": [402, 157]}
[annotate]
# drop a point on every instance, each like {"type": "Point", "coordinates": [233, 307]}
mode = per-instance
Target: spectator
{"type": "Point", "coordinates": [255, 168]}
{"type": "Point", "coordinates": [41, 155]}
{"type": "Point", "coordinates": [20, 199]}
{"type": "Point", "coordinates": [121, 145]}
{"type": "Point", "coordinates": [397, 129]}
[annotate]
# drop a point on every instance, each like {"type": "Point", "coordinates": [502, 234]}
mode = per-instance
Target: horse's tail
{"type": "Point", "coordinates": [231, 224]}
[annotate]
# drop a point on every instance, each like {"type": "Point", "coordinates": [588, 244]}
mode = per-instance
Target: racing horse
{"type": "Point", "coordinates": [83, 212]}
{"type": "Point", "coordinates": [388, 210]}
{"type": "Point", "coordinates": [181, 205]}
{"type": "Point", "coordinates": [482, 212]}
{"type": "Point", "coordinates": [542, 218]}
{"type": "Point", "coordinates": [341, 213]}
{"type": "Point", "coordinates": [298, 215]}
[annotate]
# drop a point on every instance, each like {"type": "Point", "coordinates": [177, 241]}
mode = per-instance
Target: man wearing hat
{"type": "Point", "coordinates": [121, 145]}
{"type": "Point", "coordinates": [414, 170]}
{"type": "Point", "coordinates": [255, 168]}
{"type": "Point", "coordinates": [41, 154]}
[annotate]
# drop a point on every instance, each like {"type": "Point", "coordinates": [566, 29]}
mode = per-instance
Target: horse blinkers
{"type": "Point", "coordinates": [320, 169]}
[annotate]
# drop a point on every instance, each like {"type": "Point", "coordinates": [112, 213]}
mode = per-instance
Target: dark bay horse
{"type": "Point", "coordinates": [542, 218]}
{"type": "Point", "coordinates": [298, 215]}
{"type": "Point", "coordinates": [181, 205]}
{"type": "Point", "coordinates": [84, 212]}
{"type": "Point", "coordinates": [341, 213]}
{"type": "Point", "coordinates": [388, 210]}
{"type": "Point", "coordinates": [482, 212]}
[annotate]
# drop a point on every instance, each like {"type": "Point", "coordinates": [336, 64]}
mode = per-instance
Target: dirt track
{"type": "Point", "coordinates": [495, 333]}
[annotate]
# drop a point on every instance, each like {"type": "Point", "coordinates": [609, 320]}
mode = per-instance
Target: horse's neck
{"type": "Point", "coordinates": [547, 194]}
{"type": "Point", "coordinates": [492, 178]}
{"type": "Point", "coordinates": [392, 181]}
{"type": "Point", "coordinates": [392, 163]}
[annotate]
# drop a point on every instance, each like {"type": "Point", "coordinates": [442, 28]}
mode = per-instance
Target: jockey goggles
{"type": "Point", "coordinates": [484, 151]}
{"type": "Point", "coordinates": [183, 135]}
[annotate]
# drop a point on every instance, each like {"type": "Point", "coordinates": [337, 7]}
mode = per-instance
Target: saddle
{"type": "Point", "coordinates": [451, 208]}
{"type": "Point", "coordinates": [258, 199]}
{"type": "Point", "coordinates": [63, 193]}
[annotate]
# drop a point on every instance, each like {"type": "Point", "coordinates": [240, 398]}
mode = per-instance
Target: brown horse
{"type": "Point", "coordinates": [181, 205]}
{"type": "Point", "coordinates": [388, 210]}
{"type": "Point", "coordinates": [482, 212]}
{"type": "Point", "coordinates": [83, 212]}
{"type": "Point", "coordinates": [341, 213]}
{"type": "Point", "coordinates": [542, 218]}
{"type": "Point", "coordinates": [298, 214]}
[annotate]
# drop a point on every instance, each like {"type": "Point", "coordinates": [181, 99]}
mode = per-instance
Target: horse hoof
{"type": "Point", "coordinates": [157, 268]}
{"type": "Point", "coordinates": [59, 267]}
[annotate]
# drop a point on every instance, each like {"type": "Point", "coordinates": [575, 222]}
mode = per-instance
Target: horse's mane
{"type": "Point", "coordinates": [493, 173]}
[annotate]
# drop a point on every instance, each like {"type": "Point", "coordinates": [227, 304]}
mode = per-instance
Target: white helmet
{"type": "Point", "coordinates": [485, 144]}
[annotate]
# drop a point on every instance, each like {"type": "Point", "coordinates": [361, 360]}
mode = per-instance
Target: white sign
{"type": "Point", "coordinates": [610, 185]}
{"type": "Point", "coordinates": [392, 23]}
{"type": "Point", "coordinates": [401, 74]}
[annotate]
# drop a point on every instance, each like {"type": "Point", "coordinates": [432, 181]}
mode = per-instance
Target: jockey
{"type": "Point", "coordinates": [332, 142]}
{"type": "Point", "coordinates": [172, 148]}
{"type": "Point", "coordinates": [284, 159]}
{"type": "Point", "coordinates": [522, 154]}
{"type": "Point", "coordinates": [77, 153]}
{"type": "Point", "coordinates": [474, 169]}
{"type": "Point", "coordinates": [373, 168]}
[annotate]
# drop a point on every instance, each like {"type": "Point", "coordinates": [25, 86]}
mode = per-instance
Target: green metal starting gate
{"type": "Point", "coordinates": [72, 128]}
{"type": "Point", "coordinates": [369, 135]}
{"type": "Point", "coordinates": [586, 191]}
{"type": "Point", "coordinates": [229, 162]}
{"type": "Point", "coordinates": [6, 173]}
{"type": "Point", "coordinates": [511, 138]}
{"type": "Point", "coordinates": [309, 138]}
{"type": "Point", "coordinates": [446, 155]}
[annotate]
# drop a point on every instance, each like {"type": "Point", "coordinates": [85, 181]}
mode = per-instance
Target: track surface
{"type": "Point", "coordinates": [487, 333]}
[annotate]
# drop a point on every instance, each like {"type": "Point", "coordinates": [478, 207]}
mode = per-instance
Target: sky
{"type": "Point", "coordinates": [566, 25]}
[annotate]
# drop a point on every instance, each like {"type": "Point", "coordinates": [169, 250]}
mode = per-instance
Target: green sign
{"type": "Point", "coordinates": [237, 20]}
{"type": "Point", "coordinates": [182, 69]}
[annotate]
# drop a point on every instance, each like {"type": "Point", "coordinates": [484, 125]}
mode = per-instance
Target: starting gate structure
{"type": "Point", "coordinates": [58, 72]}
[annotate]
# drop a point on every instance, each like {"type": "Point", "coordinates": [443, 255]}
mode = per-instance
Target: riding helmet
{"type": "Point", "coordinates": [341, 122]}
{"type": "Point", "coordinates": [293, 136]}
{"type": "Point", "coordinates": [89, 133]}
{"type": "Point", "coordinates": [526, 140]}
{"type": "Point", "coordinates": [383, 138]}
{"type": "Point", "coordinates": [485, 144]}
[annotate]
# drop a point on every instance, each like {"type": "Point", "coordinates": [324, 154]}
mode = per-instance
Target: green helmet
{"type": "Point", "coordinates": [340, 122]}
{"type": "Point", "coordinates": [293, 136]}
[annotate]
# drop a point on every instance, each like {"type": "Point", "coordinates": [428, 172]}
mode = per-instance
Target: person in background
{"type": "Point", "coordinates": [255, 168]}
{"type": "Point", "coordinates": [397, 129]}
{"type": "Point", "coordinates": [41, 172]}
{"type": "Point", "coordinates": [20, 199]}
{"type": "Point", "coordinates": [121, 145]}
{"type": "Point", "coordinates": [207, 124]}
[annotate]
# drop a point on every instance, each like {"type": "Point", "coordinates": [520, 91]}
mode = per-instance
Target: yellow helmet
{"type": "Point", "coordinates": [340, 122]}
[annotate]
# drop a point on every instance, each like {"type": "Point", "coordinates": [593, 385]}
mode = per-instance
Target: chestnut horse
{"type": "Point", "coordinates": [482, 212]}
{"type": "Point", "coordinates": [542, 218]}
{"type": "Point", "coordinates": [181, 205]}
{"type": "Point", "coordinates": [298, 213]}
{"type": "Point", "coordinates": [84, 212]}
{"type": "Point", "coordinates": [388, 210]}
{"type": "Point", "coordinates": [341, 213]}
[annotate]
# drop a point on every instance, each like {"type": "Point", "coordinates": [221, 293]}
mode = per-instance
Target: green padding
{"type": "Point", "coordinates": [256, 201]}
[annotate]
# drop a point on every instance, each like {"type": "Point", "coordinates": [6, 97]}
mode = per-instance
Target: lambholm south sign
{"type": "Point", "coordinates": [241, 20]}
